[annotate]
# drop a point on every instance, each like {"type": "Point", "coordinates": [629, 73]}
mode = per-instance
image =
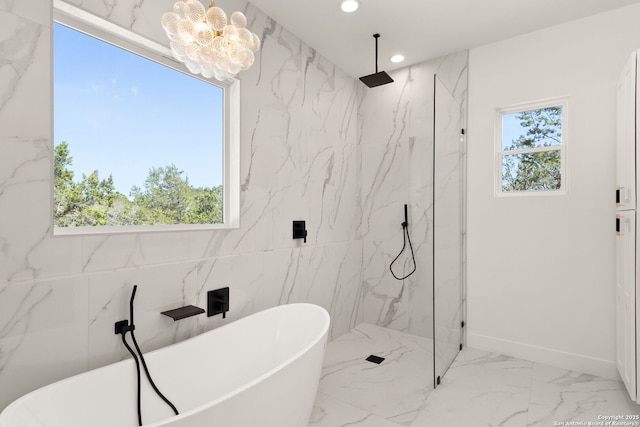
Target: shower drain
{"type": "Point", "coordinates": [375, 359]}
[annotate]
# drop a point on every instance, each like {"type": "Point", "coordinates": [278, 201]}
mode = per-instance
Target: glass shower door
{"type": "Point", "coordinates": [447, 233]}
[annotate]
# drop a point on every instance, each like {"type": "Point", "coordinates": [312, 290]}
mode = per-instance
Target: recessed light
{"type": "Point", "coordinates": [397, 58]}
{"type": "Point", "coordinates": [349, 6]}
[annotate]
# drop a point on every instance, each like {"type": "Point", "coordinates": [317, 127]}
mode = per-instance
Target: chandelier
{"type": "Point", "coordinates": [207, 42]}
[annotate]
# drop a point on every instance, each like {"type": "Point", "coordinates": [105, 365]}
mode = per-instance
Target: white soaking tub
{"type": "Point", "coordinates": [259, 371]}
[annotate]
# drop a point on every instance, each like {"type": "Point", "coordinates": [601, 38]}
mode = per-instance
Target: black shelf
{"type": "Point", "coordinates": [183, 312]}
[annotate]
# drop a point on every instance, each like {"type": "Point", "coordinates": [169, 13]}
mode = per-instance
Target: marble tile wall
{"type": "Point", "coordinates": [59, 296]}
{"type": "Point", "coordinates": [395, 133]}
{"type": "Point", "coordinates": [316, 145]}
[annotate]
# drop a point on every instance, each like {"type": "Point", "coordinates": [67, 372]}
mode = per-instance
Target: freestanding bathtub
{"type": "Point", "coordinates": [259, 371]}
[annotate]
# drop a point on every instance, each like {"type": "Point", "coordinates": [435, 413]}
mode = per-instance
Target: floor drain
{"type": "Point", "coordinates": [375, 359]}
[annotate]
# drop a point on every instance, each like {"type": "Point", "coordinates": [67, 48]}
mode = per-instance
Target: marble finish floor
{"type": "Point", "coordinates": [480, 389]}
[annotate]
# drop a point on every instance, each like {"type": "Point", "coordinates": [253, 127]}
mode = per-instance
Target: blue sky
{"type": "Point", "coordinates": [122, 114]}
{"type": "Point", "coordinates": [512, 129]}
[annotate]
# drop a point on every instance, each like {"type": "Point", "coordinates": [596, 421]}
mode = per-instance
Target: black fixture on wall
{"type": "Point", "coordinates": [218, 302]}
{"type": "Point", "coordinates": [377, 78]}
{"type": "Point", "coordinates": [300, 230]}
{"type": "Point", "coordinates": [183, 312]}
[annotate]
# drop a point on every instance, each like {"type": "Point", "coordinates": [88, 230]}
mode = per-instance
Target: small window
{"type": "Point", "coordinates": [531, 148]}
{"type": "Point", "coordinates": [139, 144]}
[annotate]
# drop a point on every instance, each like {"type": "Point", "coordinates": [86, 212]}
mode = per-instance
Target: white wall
{"type": "Point", "coordinates": [59, 297]}
{"type": "Point", "coordinates": [541, 269]}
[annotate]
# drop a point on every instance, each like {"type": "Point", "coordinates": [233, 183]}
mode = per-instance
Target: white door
{"type": "Point", "coordinates": [626, 137]}
{"type": "Point", "coordinates": [626, 299]}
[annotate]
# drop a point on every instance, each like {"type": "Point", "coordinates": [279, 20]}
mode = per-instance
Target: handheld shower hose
{"type": "Point", "coordinates": [406, 238]}
{"type": "Point", "coordinates": [130, 328]}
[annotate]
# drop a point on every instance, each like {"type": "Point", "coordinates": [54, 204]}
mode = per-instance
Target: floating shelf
{"type": "Point", "coordinates": [183, 312]}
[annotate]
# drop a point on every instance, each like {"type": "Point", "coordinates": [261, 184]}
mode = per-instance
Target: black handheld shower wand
{"type": "Point", "coordinates": [406, 217]}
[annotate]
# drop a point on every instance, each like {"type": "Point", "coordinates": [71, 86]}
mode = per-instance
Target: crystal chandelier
{"type": "Point", "coordinates": [206, 42]}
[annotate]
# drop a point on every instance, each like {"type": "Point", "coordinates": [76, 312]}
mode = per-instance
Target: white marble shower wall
{"type": "Point", "coordinates": [395, 133]}
{"type": "Point", "coordinates": [59, 296]}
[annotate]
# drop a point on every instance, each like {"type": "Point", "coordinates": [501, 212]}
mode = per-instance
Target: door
{"type": "Point", "coordinates": [447, 230]}
{"type": "Point", "coordinates": [626, 137]}
{"type": "Point", "coordinates": [626, 299]}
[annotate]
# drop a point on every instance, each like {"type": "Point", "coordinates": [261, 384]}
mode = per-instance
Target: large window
{"type": "Point", "coordinates": [531, 148]}
{"type": "Point", "coordinates": [139, 144]}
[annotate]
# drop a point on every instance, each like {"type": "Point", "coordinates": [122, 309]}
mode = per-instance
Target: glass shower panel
{"type": "Point", "coordinates": [447, 233]}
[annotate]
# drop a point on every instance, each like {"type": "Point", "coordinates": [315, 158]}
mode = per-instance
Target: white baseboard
{"type": "Point", "coordinates": [547, 356]}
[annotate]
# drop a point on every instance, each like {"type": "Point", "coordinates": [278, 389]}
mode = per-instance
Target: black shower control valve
{"type": "Point", "coordinates": [218, 302]}
{"type": "Point", "coordinates": [300, 230]}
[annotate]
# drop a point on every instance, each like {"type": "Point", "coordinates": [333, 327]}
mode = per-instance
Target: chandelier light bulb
{"type": "Point", "coordinates": [349, 6]}
{"type": "Point", "coordinates": [230, 33]}
{"type": "Point", "coordinates": [216, 18]}
{"type": "Point", "coordinates": [256, 42]}
{"type": "Point", "coordinates": [185, 32]}
{"type": "Point", "coordinates": [169, 22]}
{"type": "Point", "coordinates": [178, 8]}
{"type": "Point", "coordinates": [238, 19]}
{"type": "Point", "coordinates": [194, 11]}
{"type": "Point", "coordinates": [207, 42]}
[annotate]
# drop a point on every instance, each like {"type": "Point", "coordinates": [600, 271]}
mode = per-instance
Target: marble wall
{"type": "Point", "coordinates": [396, 136]}
{"type": "Point", "coordinates": [315, 145]}
{"type": "Point", "coordinates": [59, 296]}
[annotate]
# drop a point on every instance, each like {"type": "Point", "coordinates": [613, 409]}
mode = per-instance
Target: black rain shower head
{"type": "Point", "coordinates": [377, 78]}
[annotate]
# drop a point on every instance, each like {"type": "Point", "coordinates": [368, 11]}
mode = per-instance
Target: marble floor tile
{"type": "Point", "coordinates": [480, 389]}
{"type": "Point", "coordinates": [395, 389]}
{"type": "Point", "coordinates": [366, 339]}
{"type": "Point", "coordinates": [330, 412]}
{"type": "Point", "coordinates": [559, 395]}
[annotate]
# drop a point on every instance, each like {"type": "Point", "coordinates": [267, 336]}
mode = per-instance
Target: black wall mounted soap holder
{"type": "Point", "coordinates": [183, 312]}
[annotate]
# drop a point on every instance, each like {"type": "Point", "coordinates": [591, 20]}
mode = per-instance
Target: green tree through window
{"type": "Point", "coordinates": [167, 198]}
{"type": "Point", "coordinates": [138, 140]}
{"type": "Point", "coordinates": [531, 157]}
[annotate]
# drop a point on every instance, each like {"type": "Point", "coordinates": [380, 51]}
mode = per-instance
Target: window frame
{"type": "Point", "coordinates": [562, 102]}
{"type": "Point", "coordinates": [94, 26]}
